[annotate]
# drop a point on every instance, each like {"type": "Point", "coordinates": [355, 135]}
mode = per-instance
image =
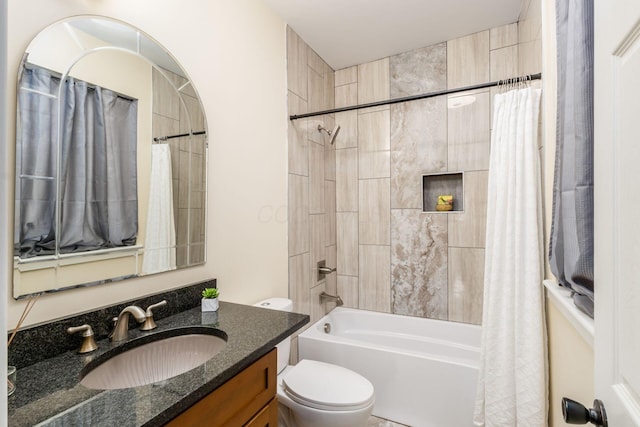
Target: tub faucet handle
{"type": "Point", "coordinates": [323, 270]}
{"type": "Point", "coordinates": [88, 342]}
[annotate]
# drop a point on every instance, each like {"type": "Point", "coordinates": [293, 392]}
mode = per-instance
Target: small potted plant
{"type": "Point", "coordinates": [210, 299]}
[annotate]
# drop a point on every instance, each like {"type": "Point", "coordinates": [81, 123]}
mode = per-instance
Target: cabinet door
{"type": "Point", "coordinates": [235, 402]}
{"type": "Point", "coordinates": [268, 417]}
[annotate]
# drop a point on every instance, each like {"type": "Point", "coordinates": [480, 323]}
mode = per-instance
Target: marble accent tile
{"type": "Point", "coordinates": [329, 87]}
{"type": "Point", "coordinates": [373, 81]}
{"type": "Point", "coordinates": [347, 242]}
{"type": "Point", "coordinates": [374, 211]}
{"type": "Point", "coordinates": [318, 310]}
{"type": "Point", "coordinates": [374, 286]}
{"type": "Point", "coordinates": [468, 60]}
{"type": "Point", "coordinates": [331, 253]}
{"type": "Point", "coordinates": [466, 284]}
{"type": "Point", "coordinates": [530, 57]}
{"type": "Point", "coordinates": [347, 75]}
{"type": "Point", "coordinates": [318, 245]}
{"type": "Point", "coordinates": [419, 263]}
{"type": "Point", "coordinates": [296, 64]}
{"type": "Point", "coordinates": [374, 145]}
{"type": "Point", "coordinates": [297, 134]}
{"type": "Point", "coordinates": [346, 95]}
{"type": "Point", "coordinates": [504, 63]}
{"type": "Point", "coordinates": [315, 87]}
{"type": "Point", "coordinates": [418, 71]}
{"type": "Point", "coordinates": [418, 146]}
{"type": "Point", "coordinates": [330, 212]}
{"type": "Point", "coordinates": [468, 229]}
{"type": "Point", "coordinates": [348, 290]}
{"type": "Point", "coordinates": [506, 35]}
{"type": "Point", "coordinates": [314, 61]}
{"type": "Point", "coordinates": [469, 136]}
{"type": "Point", "coordinates": [300, 282]}
{"type": "Point", "coordinates": [347, 180]}
{"type": "Point", "coordinates": [316, 178]}
{"type": "Point", "coordinates": [298, 213]}
{"type": "Point", "coordinates": [348, 137]}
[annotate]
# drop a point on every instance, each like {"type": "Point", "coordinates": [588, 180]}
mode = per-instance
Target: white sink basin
{"type": "Point", "coordinates": [151, 362]}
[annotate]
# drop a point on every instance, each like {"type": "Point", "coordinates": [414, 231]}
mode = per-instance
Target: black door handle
{"type": "Point", "coordinates": [575, 413]}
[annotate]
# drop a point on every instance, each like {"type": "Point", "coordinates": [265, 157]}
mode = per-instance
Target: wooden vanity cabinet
{"type": "Point", "coordinates": [248, 399]}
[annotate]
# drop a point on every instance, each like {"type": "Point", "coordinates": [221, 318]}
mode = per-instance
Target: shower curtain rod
{"type": "Point", "coordinates": [516, 80]}
{"type": "Point", "coordinates": [180, 135]}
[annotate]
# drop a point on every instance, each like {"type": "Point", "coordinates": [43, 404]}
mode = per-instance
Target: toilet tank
{"type": "Point", "coordinates": [284, 348]}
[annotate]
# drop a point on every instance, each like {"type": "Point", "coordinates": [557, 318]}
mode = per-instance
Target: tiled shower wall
{"type": "Point", "coordinates": [391, 256]}
{"type": "Point", "coordinates": [312, 179]}
{"type": "Point", "coordinates": [358, 204]}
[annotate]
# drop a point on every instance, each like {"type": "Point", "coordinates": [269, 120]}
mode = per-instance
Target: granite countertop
{"type": "Point", "coordinates": [49, 393]}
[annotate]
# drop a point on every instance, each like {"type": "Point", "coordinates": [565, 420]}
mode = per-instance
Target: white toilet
{"type": "Point", "coordinates": [318, 394]}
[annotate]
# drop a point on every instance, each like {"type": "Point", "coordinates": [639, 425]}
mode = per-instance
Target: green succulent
{"type": "Point", "coordinates": [210, 293]}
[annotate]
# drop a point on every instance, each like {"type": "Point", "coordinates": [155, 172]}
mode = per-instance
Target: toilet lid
{"type": "Point", "coordinates": [324, 386]}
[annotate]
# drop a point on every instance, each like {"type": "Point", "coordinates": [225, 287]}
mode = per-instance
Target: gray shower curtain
{"type": "Point", "coordinates": [98, 172]}
{"type": "Point", "coordinates": [571, 241]}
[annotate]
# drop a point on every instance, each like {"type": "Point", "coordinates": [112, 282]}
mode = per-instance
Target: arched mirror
{"type": "Point", "coordinates": [111, 154]}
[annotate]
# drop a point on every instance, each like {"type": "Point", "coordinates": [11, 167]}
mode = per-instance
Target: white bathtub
{"type": "Point", "coordinates": [424, 371]}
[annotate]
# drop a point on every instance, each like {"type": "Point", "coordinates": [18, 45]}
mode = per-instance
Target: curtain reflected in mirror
{"type": "Point", "coordinates": [160, 253]}
{"type": "Point", "coordinates": [98, 179]}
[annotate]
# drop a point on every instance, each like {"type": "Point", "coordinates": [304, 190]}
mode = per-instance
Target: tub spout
{"type": "Point", "coordinates": [325, 297]}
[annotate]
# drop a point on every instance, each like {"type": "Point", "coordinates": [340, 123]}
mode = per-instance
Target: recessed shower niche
{"type": "Point", "coordinates": [442, 184]}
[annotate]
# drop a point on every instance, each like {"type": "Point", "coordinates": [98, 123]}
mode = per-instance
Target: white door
{"type": "Point", "coordinates": [617, 209]}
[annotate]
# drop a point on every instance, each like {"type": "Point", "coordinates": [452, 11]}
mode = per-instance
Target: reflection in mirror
{"type": "Point", "coordinates": [110, 159]}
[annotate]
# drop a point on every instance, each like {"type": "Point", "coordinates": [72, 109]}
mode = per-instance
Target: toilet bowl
{"type": "Point", "coordinates": [318, 394]}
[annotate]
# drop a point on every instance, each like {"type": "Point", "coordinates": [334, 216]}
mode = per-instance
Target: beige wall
{"type": "Point", "coordinates": [571, 365]}
{"type": "Point", "coordinates": [234, 51]}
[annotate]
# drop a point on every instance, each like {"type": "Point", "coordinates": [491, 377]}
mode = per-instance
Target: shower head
{"type": "Point", "coordinates": [332, 133]}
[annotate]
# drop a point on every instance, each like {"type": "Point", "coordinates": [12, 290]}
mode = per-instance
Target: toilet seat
{"type": "Point", "coordinates": [325, 386]}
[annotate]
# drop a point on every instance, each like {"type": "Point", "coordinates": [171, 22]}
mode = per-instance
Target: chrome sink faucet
{"type": "Point", "coordinates": [121, 329]}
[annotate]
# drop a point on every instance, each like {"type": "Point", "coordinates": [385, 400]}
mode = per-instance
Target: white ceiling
{"type": "Point", "coordinates": [349, 32]}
